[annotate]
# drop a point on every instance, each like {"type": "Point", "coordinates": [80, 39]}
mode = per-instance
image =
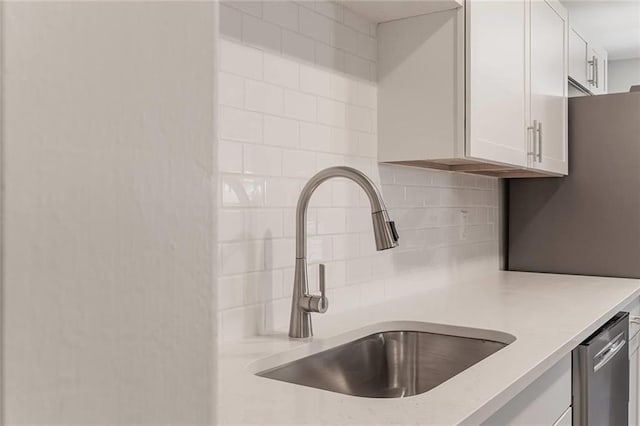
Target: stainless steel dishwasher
{"type": "Point", "coordinates": [601, 376]}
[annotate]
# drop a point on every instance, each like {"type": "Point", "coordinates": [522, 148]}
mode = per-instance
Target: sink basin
{"type": "Point", "coordinates": [389, 364]}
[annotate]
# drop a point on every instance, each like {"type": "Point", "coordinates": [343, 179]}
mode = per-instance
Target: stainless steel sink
{"type": "Point", "coordinates": [390, 364]}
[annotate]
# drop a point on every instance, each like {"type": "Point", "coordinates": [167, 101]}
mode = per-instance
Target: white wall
{"type": "Point", "coordinates": [109, 197]}
{"type": "Point", "coordinates": [298, 94]}
{"type": "Point", "coordinates": [622, 74]}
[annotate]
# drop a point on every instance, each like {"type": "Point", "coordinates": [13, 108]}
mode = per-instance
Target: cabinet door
{"type": "Point", "coordinates": [578, 59]}
{"type": "Point", "coordinates": [495, 49]}
{"type": "Point", "coordinates": [543, 402]}
{"type": "Point", "coordinates": [604, 72]}
{"type": "Point", "coordinates": [598, 68]}
{"type": "Point", "coordinates": [548, 87]}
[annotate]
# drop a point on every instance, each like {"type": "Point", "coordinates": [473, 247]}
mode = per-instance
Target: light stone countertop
{"type": "Point", "coordinates": [548, 314]}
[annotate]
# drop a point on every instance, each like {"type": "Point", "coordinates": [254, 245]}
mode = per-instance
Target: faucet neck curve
{"type": "Point", "coordinates": [377, 205]}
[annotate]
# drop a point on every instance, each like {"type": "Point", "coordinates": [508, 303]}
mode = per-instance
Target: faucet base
{"type": "Point", "coordinates": [302, 329]}
{"type": "Point", "coordinates": [300, 322]}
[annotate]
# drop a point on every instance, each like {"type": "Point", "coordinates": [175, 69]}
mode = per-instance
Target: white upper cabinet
{"type": "Point", "coordinates": [548, 87]}
{"type": "Point", "coordinates": [578, 57]}
{"type": "Point", "coordinates": [496, 42]}
{"type": "Point", "coordinates": [460, 90]}
{"type": "Point", "coordinates": [420, 88]}
{"type": "Point", "coordinates": [587, 64]}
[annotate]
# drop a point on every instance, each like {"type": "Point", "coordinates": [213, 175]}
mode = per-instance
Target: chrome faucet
{"type": "Point", "coordinates": [386, 237]}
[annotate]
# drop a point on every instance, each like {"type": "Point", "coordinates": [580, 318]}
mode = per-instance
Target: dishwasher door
{"type": "Point", "coordinates": [601, 376]}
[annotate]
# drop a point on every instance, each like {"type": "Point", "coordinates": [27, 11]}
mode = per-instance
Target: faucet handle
{"type": "Point", "coordinates": [321, 280]}
{"type": "Point", "coordinates": [320, 304]}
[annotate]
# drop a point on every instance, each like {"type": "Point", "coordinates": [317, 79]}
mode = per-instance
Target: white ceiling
{"type": "Point", "coordinates": [612, 24]}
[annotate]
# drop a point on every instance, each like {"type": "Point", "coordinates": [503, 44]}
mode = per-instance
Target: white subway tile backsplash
{"type": "Point", "coordinates": [297, 46]}
{"type": "Point", "coordinates": [277, 315]}
{"type": "Point", "coordinates": [394, 195]}
{"type": "Point", "coordinates": [372, 292]}
{"type": "Point", "coordinates": [251, 7]}
{"type": "Point", "coordinates": [343, 88]}
{"type": "Point", "coordinates": [282, 192]}
{"type": "Point", "coordinates": [358, 67]}
{"type": "Point", "coordinates": [347, 194]}
{"type": "Point", "coordinates": [280, 253]}
{"type": "Point", "coordinates": [359, 270]}
{"type": "Point", "coordinates": [356, 22]}
{"type": "Point", "coordinates": [422, 196]}
{"type": "Point", "coordinates": [367, 145]}
{"type": "Point", "coordinates": [345, 38]}
{"type": "Point", "coordinates": [413, 176]}
{"type": "Point", "coordinates": [281, 71]}
{"type": "Point", "coordinates": [263, 97]}
{"type": "Point", "coordinates": [262, 160]}
{"type": "Point", "coordinates": [359, 219]}
{"type": "Point", "coordinates": [346, 246]}
{"type": "Point", "coordinates": [359, 118]}
{"type": "Point", "coordinates": [329, 160]}
{"type": "Point", "coordinates": [282, 13]}
{"type": "Point", "coordinates": [373, 72]}
{"type": "Point", "coordinates": [319, 249]}
{"type": "Point", "coordinates": [332, 112]}
{"type": "Point", "coordinates": [316, 26]}
{"type": "Point", "coordinates": [240, 60]}
{"type": "Point", "coordinates": [300, 164]}
{"type": "Point", "coordinates": [231, 225]}
{"type": "Point", "coordinates": [263, 224]}
{"type": "Point", "coordinates": [240, 191]}
{"type": "Point", "coordinates": [366, 47]}
{"type": "Point", "coordinates": [367, 245]}
{"type": "Point", "coordinates": [329, 57]}
{"type": "Point", "coordinates": [241, 322]}
{"type": "Point", "coordinates": [345, 298]}
{"type": "Point", "coordinates": [443, 180]}
{"type": "Point", "coordinates": [336, 273]}
{"type": "Point", "coordinates": [315, 81]}
{"type": "Point", "coordinates": [341, 141]}
{"type": "Point", "coordinates": [230, 22]}
{"type": "Point", "coordinates": [230, 157]}
{"type": "Point", "coordinates": [373, 29]}
{"type": "Point", "coordinates": [367, 95]}
{"type": "Point", "coordinates": [259, 33]}
{"type": "Point", "coordinates": [297, 95]}
{"type": "Point", "coordinates": [240, 125]}
{"type": "Point", "coordinates": [242, 257]}
{"type": "Point", "coordinates": [263, 286]}
{"type": "Point", "coordinates": [231, 90]}
{"type": "Point", "coordinates": [230, 292]}
{"type": "Point", "coordinates": [315, 137]}
{"type": "Point", "coordinates": [281, 132]}
{"type": "Point", "coordinates": [329, 9]}
{"type": "Point", "coordinates": [289, 222]}
{"type": "Point", "coordinates": [299, 105]}
{"type": "Point", "coordinates": [332, 220]}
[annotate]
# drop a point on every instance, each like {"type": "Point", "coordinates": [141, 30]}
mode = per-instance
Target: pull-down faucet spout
{"type": "Point", "coordinates": [386, 237]}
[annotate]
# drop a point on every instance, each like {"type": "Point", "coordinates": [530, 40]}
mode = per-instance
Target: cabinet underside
{"type": "Point", "coordinates": [472, 166]}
